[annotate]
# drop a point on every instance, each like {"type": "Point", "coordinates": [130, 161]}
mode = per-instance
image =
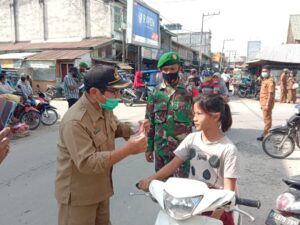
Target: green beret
{"type": "Point", "coordinates": [169, 58]}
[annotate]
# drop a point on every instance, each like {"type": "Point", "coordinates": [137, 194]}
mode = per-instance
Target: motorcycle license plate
{"type": "Point", "coordinates": [275, 218]}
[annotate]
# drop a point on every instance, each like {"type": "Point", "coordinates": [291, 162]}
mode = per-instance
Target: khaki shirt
{"type": "Point", "coordinates": [267, 86]}
{"type": "Point", "coordinates": [86, 139]}
{"type": "Point", "coordinates": [290, 83]}
{"type": "Point", "coordinates": [283, 80]}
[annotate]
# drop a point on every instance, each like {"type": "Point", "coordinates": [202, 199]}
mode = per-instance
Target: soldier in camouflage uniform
{"type": "Point", "coordinates": [169, 109]}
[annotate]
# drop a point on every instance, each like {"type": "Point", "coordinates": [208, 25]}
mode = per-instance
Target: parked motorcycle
{"type": "Point", "coordinates": [48, 112]}
{"type": "Point", "coordinates": [54, 92]}
{"type": "Point", "coordinates": [246, 91]}
{"type": "Point", "coordinates": [130, 96]}
{"type": "Point", "coordinates": [183, 200]}
{"type": "Point", "coordinates": [281, 140]}
{"type": "Point", "coordinates": [287, 210]}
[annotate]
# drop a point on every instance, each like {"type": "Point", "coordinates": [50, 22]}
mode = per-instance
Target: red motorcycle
{"type": "Point", "coordinates": [48, 112]}
{"type": "Point", "coordinates": [26, 113]}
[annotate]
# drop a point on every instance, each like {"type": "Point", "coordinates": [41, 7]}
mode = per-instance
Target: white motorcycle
{"type": "Point", "coordinates": [183, 200]}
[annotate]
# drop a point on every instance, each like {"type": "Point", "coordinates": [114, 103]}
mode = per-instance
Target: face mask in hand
{"type": "Point", "coordinates": [264, 74]}
{"type": "Point", "coordinates": [110, 104]}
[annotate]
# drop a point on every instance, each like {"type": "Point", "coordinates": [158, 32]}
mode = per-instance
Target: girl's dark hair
{"type": "Point", "coordinates": [213, 104]}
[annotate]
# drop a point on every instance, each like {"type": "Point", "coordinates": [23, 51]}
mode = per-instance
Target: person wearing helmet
{"type": "Point", "coordinates": [169, 109]}
{"type": "Point", "coordinates": [209, 85]}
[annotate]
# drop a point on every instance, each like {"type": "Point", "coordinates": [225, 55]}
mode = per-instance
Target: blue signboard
{"type": "Point", "coordinates": [145, 25]}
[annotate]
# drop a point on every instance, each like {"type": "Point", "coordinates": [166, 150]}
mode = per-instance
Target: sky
{"type": "Point", "coordinates": [240, 20]}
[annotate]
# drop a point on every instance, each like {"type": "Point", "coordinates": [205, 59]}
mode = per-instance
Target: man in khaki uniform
{"type": "Point", "coordinates": [87, 151]}
{"type": "Point", "coordinates": [267, 99]}
{"type": "Point", "coordinates": [283, 85]}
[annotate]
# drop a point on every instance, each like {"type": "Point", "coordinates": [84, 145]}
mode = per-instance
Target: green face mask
{"type": "Point", "coordinates": [110, 104]}
{"type": "Point", "coordinates": [264, 74]}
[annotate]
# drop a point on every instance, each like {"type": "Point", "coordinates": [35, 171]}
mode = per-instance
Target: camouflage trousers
{"type": "Point", "coordinates": [163, 159]}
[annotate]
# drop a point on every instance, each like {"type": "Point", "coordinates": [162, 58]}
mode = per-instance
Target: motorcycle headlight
{"type": "Point", "coordinates": [287, 202]}
{"type": "Point", "coordinates": [180, 208]}
{"type": "Point", "coordinates": [297, 109]}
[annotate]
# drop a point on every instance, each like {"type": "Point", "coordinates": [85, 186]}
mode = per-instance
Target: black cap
{"type": "Point", "coordinates": [104, 76]}
{"type": "Point", "coordinates": [268, 67]}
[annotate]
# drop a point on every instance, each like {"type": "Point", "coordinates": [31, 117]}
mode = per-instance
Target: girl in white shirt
{"type": "Point", "coordinates": [213, 157]}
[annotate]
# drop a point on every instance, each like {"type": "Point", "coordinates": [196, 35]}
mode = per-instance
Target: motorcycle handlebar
{"type": "Point", "coordinates": [248, 202]}
{"type": "Point", "coordinates": [137, 186]}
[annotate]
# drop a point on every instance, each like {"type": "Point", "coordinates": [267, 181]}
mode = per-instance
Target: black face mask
{"type": "Point", "coordinates": [170, 78]}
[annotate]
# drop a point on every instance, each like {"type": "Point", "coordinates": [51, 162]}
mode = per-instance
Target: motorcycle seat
{"type": "Point", "coordinates": [293, 181]}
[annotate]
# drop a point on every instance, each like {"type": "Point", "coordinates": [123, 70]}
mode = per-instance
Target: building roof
{"type": "Point", "coordinates": [58, 55]}
{"type": "Point", "coordinates": [21, 55]}
{"type": "Point", "coordinates": [86, 44]}
{"type": "Point", "coordinates": [295, 26]}
{"type": "Point", "coordinates": [286, 53]}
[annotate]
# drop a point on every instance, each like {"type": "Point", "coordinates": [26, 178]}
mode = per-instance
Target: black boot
{"type": "Point", "coordinates": [260, 138]}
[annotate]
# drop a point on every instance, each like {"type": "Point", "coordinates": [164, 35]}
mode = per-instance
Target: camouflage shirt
{"type": "Point", "coordinates": [170, 113]}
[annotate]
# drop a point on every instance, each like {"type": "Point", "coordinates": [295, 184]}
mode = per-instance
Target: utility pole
{"type": "Point", "coordinates": [201, 35]}
{"type": "Point", "coordinates": [123, 45]}
{"type": "Point", "coordinates": [221, 57]}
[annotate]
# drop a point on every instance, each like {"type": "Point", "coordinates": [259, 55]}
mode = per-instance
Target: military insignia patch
{"type": "Point", "coordinates": [117, 75]}
{"type": "Point", "coordinates": [174, 56]}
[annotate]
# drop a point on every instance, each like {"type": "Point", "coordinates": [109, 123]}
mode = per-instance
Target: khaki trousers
{"type": "Point", "coordinates": [97, 214]}
{"type": "Point", "coordinates": [291, 96]}
{"type": "Point", "coordinates": [267, 116]}
{"type": "Point", "coordinates": [283, 95]}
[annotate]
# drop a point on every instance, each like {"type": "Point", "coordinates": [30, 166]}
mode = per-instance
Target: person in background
{"type": "Point", "coordinates": [213, 156]}
{"type": "Point", "coordinates": [226, 77]}
{"type": "Point", "coordinates": [223, 89]}
{"type": "Point", "coordinates": [26, 90]}
{"type": "Point", "coordinates": [5, 88]}
{"type": "Point", "coordinates": [139, 85]}
{"type": "Point", "coordinates": [4, 143]}
{"type": "Point", "coordinates": [209, 85]}
{"type": "Point", "coordinates": [87, 151]}
{"type": "Point", "coordinates": [193, 83]}
{"type": "Point", "coordinates": [29, 80]}
{"type": "Point", "coordinates": [283, 85]}
{"type": "Point", "coordinates": [267, 99]}
{"type": "Point", "coordinates": [71, 86]}
{"type": "Point", "coordinates": [292, 85]}
{"type": "Point", "coordinates": [169, 110]}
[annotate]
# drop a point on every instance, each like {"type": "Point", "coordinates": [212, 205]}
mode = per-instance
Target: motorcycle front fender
{"type": "Point", "coordinates": [163, 218]}
{"type": "Point", "coordinates": [283, 129]}
{"type": "Point", "coordinates": [50, 107]}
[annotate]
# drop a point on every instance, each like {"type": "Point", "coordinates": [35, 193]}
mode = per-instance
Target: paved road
{"type": "Point", "coordinates": [27, 175]}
